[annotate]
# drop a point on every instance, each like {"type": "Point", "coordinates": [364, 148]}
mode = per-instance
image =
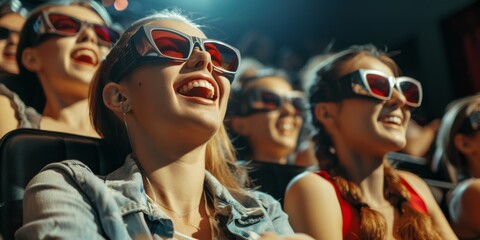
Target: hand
{"type": "Point", "coordinates": [273, 236]}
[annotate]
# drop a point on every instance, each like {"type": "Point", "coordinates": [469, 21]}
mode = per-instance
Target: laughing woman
{"type": "Point", "coordinates": [265, 120]}
{"type": "Point", "coordinates": [160, 97]}
{"type": "Point", "coordinates": [61, 46]}
{"type": "Point", "coordinates": [362, 107]}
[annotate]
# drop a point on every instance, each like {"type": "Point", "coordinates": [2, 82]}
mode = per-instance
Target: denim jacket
{"type": "Point", "coordinates": [66, 200]}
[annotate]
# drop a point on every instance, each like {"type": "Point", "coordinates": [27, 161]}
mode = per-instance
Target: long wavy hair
{"type": "Point", "coordinates": [220, 155]}
{"type": "Point", "coordinates": [412, 224]}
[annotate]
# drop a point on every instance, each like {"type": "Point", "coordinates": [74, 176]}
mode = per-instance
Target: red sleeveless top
{"type": "Point", "coordinates": [350, 215]}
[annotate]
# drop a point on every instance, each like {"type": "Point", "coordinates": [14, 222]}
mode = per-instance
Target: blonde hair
{"type": "Point", "coordinates": [220, 155]}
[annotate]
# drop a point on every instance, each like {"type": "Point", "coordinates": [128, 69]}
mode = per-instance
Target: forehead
{"type": "Point", "coordinates": [179, 26]}
{"type": "Point", "coordinates": [79, 12]}
{"type": "Point", "coordinates": [365, 61]}
{"type": "Point", "coordinates": [12, 21]}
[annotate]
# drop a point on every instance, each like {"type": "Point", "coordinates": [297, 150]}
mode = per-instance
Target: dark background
{"type": "Point", "coordinates": [424, 32]}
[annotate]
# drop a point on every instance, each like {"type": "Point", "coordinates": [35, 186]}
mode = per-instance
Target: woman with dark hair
{"type": "Point", "coordinates": [12, 18]}
{"type": "Point", "coordinates": [457, 152]}
{"type": "Point", "coordinates": [61, 46]}
{"type": "Point", "coordinates": [361, 106]}
{"type": "Point", "coordinates": [159, 99]}
{"type": "Point", "coordinates": [265, 120]}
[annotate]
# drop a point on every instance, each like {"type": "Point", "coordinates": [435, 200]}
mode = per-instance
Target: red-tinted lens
{"type": "Point", "coordinates": [271, 101]}
{"type": "Point", "coordinates": [171, 44]}
{"type": "Point", "coordinates": [222, 56]}
{"type": "Point", "coordinates": [300, 104]}
{"type": "Point", "coordinates": [379, 85]}
{"type": "Point", "coordinates": [105, 33]}
{"type": "Point", "coordinates": [411, 91]}
{"type": "Point", "coordinates": [64, 24]}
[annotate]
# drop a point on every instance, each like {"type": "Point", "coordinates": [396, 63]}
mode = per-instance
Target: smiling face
{"type": "Point", "coordinates": [67, 63]}
{"type": "Point", "coordinates": [177, 102]}
{"type": "Point", "coordinates": [272, 134]}
{"type": "Point", "coordinates": [368, 125]}
{"type": "Point", "coordinates": [8, 46]}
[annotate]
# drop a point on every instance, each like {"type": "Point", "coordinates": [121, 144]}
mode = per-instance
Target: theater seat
{"type": "Point", "coordinates": [24, 152]}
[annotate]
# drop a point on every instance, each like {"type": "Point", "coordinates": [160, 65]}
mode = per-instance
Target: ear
{"type": "Point", "coordinates": [463, 144]}
{"type": "Point", "coordinates": [325, 112]}
{"type": "Point", "coordinates": [240, 126]}
{"type": "Point", "coordinates": [115, 97]}
{"type": "Point", "coordinates": [30, 60]}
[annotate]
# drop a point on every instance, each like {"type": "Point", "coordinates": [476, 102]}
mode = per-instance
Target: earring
{"type": "Point", "coordinates": [125, 107]}
{"type": "Point", "coordinates": [332, 150]}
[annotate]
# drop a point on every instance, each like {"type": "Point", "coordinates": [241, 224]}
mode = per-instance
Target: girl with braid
{"type": "Point", "coordinates": [362, 106]}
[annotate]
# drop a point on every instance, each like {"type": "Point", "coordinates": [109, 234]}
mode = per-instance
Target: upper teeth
{"type": "Point", "coordinates": [198, 83]}
{"type": "Point", "coordinates": [286, 126]}
{"type": "Point", "coordinates": [393, 119]}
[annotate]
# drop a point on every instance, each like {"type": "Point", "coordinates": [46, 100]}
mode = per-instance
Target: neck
{"type": "Point", "coordinates": [56, 101]}
{"type": "Point", "coordinates": [72, 119]}
{"type": "Point", "coordinates": [177, 182]}
{"type": "Point", "coordinates": [67, 113]}
{"type": "Point", "coordinates": [368, 173]}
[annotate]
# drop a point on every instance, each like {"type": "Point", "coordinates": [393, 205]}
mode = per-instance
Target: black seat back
{"type": "Point", "coordinates": [24, 152]}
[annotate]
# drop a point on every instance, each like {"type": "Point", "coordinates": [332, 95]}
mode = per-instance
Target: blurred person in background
{"type": "Point", "coordinates": [12, 18]}
{"type": "Point", "coordinates": [265, 120]}
{"type": "Point", "coordinates": [457, 153]}
{"type": "Point", "coordinates": [61, 46]}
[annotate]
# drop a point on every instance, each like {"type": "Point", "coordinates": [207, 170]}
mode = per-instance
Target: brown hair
{"type": "Point", "coordinates": [455, 121]}
{"type": "Point", "coordinates": [220, 157]}
{"type": "Point", "coordinates": [413, 224]}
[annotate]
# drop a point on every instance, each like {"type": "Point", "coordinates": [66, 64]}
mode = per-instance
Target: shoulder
{"type": "Point", "coordinates": [414, 181]}
{"type": "Point", "coordinates": [312, 203]}
{"type": "Point", "coordinates": [310, 190]}
{"type": "Point", "coordinates": [308, 181]}
{"type": "Point", "coordinates": [465, 196]}
{"type": "Point", "coordinates": [55, 177]}
{"type": "Point", "coordinates": [466, 192]}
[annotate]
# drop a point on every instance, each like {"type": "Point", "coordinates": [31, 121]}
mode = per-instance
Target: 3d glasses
{"type": "Point", "coordinates": [5, 32]}
{"type": "Point", "coordinates": [376, 84]}
{"type": "Point", "coordinates": [154, 44]}
{"type": "Point", "coordinates": [64, 25]}
{"type": "Point", "coordinates": [261, 100]}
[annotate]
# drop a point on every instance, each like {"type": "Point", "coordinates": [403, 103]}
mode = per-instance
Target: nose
{"type": "Point", "coordinates": [287, 108]}
{"type": "Point", "coordinates": [87, 34]}
{"type": "Point", "coordinates": [397, 99]}
{"type": "Point", "coordinates": [200, 60]}
{"type": "Point", "coordinates": [13, 37]}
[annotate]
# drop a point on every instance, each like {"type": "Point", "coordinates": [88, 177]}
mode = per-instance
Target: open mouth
{"type": "Point", "coordinates": [10, 53]}
{"type": "Point", "coordinates": [392, 120]}
{"type": "Point", "coordinates": [85, 56]}
{"type": "Point", "coordinates": [198, 88]}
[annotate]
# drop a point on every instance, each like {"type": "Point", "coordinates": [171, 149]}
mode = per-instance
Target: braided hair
{"type": "Point", "coordinates": [412, 223]}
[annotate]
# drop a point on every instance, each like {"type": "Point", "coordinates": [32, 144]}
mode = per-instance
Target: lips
{"type": "Point", "coordinates": [200, 88]}
{"type": "Point", "coordinates": [10, 53]}
{"type": "Point", "coordinates": [85, 56]}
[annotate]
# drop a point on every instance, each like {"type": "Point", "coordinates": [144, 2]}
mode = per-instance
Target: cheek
{"type": "Point", "coordinates": [3, 43]}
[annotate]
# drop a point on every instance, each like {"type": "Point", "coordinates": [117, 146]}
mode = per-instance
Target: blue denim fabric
{"type": "Point", "coordinates": [66, 200]}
